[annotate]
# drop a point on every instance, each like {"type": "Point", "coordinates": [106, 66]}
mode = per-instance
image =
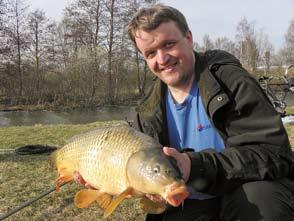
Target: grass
{"type": "Point", "coordinates": [23, 177]}
{"type": "Point", "coordinates": [290, 110]}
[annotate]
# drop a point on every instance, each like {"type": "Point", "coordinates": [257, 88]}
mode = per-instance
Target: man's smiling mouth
{"type": "Point", "coordinates": [169, 68]}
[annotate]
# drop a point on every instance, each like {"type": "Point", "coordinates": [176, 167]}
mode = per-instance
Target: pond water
{"type": "Point", "coordinates": [82, 116]}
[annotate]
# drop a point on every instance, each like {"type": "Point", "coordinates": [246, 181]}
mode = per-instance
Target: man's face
{"type": "Point", "coordinates": [168, 53]}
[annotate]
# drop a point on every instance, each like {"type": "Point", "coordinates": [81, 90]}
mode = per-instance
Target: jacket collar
{"type": "Point", "coordinates": [207, 83]}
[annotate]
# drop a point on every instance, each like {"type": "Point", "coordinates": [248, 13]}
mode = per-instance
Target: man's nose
{"type": "Point", "coordinates": [162, 57]}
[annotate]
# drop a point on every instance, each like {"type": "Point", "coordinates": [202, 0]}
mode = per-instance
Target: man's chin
{"type": "Point", "coordinates": [171, 79]}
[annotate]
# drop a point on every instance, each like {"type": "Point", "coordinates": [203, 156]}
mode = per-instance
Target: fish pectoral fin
{"type": "Point", "coordinates": [104, 200]}
{"type": "Point", "coordinates": [63, 177]}
{"type": "Point", "coordinates": [85, 197]}
{"type": "Point", "coordinates": [117, 200]}
{"type": "Point", "coordinates": [152, 207]}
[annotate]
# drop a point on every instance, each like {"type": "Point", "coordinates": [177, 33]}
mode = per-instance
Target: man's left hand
{"type": "Point", "coordinates": [182, 159]}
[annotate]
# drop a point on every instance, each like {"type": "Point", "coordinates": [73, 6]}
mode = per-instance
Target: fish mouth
{"type": "Point", "coordinates": [177, 194]}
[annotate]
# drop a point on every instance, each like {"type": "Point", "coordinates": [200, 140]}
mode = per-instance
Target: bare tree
{"type": "Point", "coordinates": [247, 44]}
{"type": "Point", "coordinates": [288, 49]}
{"type": "Point", "coordinates": [223, 43]}
{"type": "Point", "coordinates": [207, 43]}
{"type": "Point", "coordinates": [266, 50]}
{"type": "Point", "coordinates": [17, 37]}
{"type": "Point", "coordinates": [3, 8]}
{"type": "Point", "coordinates": [3, 19]}
{"type": "Point", "coordinates": [84, 20]}
{"type": "Point", "coordinates": [37, 25]}
{"type": "Point", "coordinates": [111, 10]}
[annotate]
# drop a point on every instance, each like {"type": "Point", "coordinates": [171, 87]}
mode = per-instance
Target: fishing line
{"type": "Point", "coordinates": [29, 202]}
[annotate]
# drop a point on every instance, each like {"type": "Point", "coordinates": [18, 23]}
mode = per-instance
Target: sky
{"type": "Point", "coordinates": [217, 18]}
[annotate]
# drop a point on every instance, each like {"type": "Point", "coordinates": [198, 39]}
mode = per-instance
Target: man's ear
{"type": "Point", "coordinates": [189, 36]}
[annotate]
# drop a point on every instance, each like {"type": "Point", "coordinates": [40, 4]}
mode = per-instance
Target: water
{"type": "Point", "coordinates": [83, 116]}
{"type": "Point", "coordinates": [288, 120]}
{"type": "Point", "coordinates": [27, 118]}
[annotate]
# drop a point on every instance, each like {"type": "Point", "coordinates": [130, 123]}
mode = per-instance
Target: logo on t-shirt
{"type": "Point", "coordinates": [201, 127]}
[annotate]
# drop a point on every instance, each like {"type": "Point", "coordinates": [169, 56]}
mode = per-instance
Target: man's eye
{"type": "Point", "coordinates": [150, 54]}
{"type": "Point", "coordinates": [169, 44]}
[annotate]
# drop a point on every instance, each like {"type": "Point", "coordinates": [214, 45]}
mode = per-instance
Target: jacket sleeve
{"type": "Point", "coordinates": [257, 145]}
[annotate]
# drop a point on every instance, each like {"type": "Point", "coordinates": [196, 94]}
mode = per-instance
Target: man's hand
{"type": "Point", "coordinates": [182, 159]}
{"type": "Point", "coordinates": [154, 197]}
{"type": "Point", "coordinates": [80, 180]}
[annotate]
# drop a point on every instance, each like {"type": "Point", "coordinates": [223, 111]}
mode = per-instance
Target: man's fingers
{"type": "Point", "coordinates": [78, 178]}
{"type": "Point", "coordinates": [154, 198]}
{"type": "Point", "coordinates": [183, 161]}
{"type": "Point", "coordinates": [172, 152]}
{"type": "Point", "coordinates": [89, 186]}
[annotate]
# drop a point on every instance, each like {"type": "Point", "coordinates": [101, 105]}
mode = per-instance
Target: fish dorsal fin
{"type": "Point", "coordinates": [152, 207]}
{"type": "Point", "coordinates": [117, 200]}
{"type": "Point", "coordinates": [85, 197]}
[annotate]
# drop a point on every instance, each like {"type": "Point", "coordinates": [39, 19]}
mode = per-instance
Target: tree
{"type": "Point", "coordinates": [207, 43]}
{"type": "Point", "coordinates": [288, 49]}
{"type": "Point", "coordinates": [111, 10]}
{"type": "Point", "coordinates": [3, 17]}
{"type": "Point", "coordinates": [16, 36]}
{"type": "Point", "coordinates": [53, 48]}
{"type": "Point", "coordinates": [225, 44]}
{"type": "Point", "coordinates": [266, 50]}
{"type": "Point", "coordinates": [37, 25]}
{"type": "Point", "coordinates": [247, 44]}
{"type": "Point", "coordinates": [3, 9]}
{"type": "Point", "coordinates": [83, 21]}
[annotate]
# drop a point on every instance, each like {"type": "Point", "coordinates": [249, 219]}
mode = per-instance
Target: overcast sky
{"type": "Point", "coordinates": [217, 18]}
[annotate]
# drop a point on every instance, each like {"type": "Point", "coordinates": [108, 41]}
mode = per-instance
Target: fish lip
{"type": "Point", "coordinates": [176, 194]}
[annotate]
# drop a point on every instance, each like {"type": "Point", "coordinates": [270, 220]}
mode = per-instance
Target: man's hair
{"type": "Point", "coordinates": [148, 19]}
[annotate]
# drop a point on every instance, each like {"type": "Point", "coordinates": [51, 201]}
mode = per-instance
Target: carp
{"type": "Point", "coordinates": [120, 162]}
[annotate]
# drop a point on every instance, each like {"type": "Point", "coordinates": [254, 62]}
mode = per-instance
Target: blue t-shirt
{"type": "Point", "coordinates": [190, 127]}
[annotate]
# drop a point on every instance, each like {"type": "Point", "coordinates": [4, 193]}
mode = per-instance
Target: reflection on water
{"type": "Point", "coordinates": [26, 118]}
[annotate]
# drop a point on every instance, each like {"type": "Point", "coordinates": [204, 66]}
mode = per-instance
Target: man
{"type": "Point", "coordinates": [214, 119]}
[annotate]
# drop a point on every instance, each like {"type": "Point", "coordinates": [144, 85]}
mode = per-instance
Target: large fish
{"type": "Point", "coordinates": [120, 162]}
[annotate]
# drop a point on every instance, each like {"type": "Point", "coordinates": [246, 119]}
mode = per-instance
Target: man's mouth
{"type": "Point", "coordinates": [169, 68]}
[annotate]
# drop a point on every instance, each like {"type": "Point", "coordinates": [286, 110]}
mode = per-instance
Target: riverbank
{"type": "Point", "coordinates": [75, 116]}
{"type": "Point", "coordinates": [53, 107]}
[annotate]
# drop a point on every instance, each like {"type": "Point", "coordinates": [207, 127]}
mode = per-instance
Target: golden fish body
{"type": "Point", "coordinates": [120, 161]}
{"type": "Point", "coordinates": [101, 156]}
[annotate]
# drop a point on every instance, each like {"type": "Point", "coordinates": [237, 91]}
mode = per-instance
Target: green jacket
{"type": "Point", "coordinates": [256, 143]}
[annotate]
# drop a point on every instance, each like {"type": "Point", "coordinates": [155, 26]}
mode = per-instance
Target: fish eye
{"type": "Point", "coordinates": [156, 169]}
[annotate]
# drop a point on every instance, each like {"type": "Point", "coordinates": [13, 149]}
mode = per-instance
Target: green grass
{"type": "Point", "coordinates": [290, 110]}
{"type": "Point", "coordinates": [23, 177]}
